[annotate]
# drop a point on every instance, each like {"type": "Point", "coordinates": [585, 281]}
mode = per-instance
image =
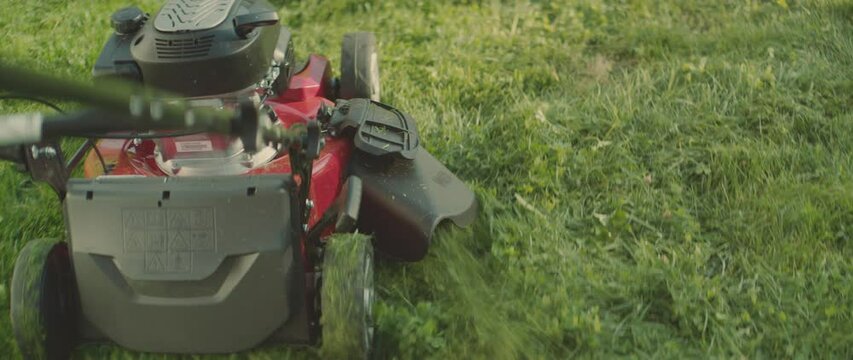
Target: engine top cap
{"type": "Point", "coordinates": [192, 15]}
{"type": "Point", "coordinates": [127, 20]}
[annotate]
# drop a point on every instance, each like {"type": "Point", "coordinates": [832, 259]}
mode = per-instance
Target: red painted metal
{"type": "Point", "coordinates": [308, 90]}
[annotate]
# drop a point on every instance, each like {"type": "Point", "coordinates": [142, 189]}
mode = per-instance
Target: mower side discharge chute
{"type": "Point", "coordinates": [187, 265]}
{"type": "Point", "coordinates": [406, 190]}
{"type": "Point", "coordinates": [407, 199]}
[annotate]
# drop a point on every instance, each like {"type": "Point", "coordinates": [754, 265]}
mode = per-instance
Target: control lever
{"type": "Point", "coordinates": [244, 24]}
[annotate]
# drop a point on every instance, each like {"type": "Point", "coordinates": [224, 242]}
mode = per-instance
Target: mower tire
{"type": "Point", "coordinates": [44, 299]}
{"type": "Point", "coordinates": [359, 67]}
{"type": "Point", "coordinates": [346, 298]}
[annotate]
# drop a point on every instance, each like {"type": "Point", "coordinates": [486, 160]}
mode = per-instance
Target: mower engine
{"type": "Point", "coordinates": [213, 54]}
{"type": "Point", "coordinates": [200, 48]}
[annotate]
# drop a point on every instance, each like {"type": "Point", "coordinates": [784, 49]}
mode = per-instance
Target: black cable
{"type": "Point", "coordinates": [59, 110]}
{"type": "Point", "coordinates": [33, 99]}
{"type": "Point", "coordinates": [143, 136]}
{"type": "Point", "coordinates": [98, 153]}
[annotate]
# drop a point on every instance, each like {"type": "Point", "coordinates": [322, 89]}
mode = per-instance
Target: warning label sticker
{"type": "Point", "coordinates": [168, 238]}
{"type": "Point", "coordinates": [171, 262]}
{"type": "Point", "coordinates": [194, 146]}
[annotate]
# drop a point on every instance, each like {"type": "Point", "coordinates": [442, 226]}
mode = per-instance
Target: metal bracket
{"type": "Point", "coordinates": [302, 157]}
{"type": "Point", "coordinates": [343, 213]}
{"type": "Point", "coordinates": [45, 162]}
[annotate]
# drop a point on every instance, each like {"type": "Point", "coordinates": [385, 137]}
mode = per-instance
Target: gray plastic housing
{"type": "Point", "coordinates": [204, 58]}
{"type": "Point", "coordinates": [197, 48]}
{"type": "Point", "coordinates": [187, 265]}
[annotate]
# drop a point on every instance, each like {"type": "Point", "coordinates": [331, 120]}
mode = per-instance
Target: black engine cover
{"type": "Point", "coordinates": [196, 47]}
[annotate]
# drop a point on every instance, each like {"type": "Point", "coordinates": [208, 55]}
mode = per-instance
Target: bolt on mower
{"type": "Point", "coordinates": [220, 176]}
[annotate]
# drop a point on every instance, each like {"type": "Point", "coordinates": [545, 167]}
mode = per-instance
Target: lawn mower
{"type": "Point", "coordinates": [216, 172]}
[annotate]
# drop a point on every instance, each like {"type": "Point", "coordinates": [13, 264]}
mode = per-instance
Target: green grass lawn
{"type": "Point", "coordinates": [656, 178]}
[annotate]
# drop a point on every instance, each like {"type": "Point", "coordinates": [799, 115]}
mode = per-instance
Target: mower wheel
{"type": "Point", "coordinates": [359, 67]}
{"type": "Point", "coordinates": [346, 297]}
{"type": "Point", "coordinates": [44, 301]}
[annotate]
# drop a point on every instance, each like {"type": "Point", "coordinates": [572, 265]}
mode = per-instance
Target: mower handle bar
{"type": "Point", "coordinates": [125, 106]}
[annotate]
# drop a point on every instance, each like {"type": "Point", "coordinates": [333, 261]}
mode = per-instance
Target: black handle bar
{"type": "Point", "coordinates": [124, 106]}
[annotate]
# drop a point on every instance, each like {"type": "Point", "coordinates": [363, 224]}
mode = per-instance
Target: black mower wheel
{"type": "Point", "coordinates": [359, 67]}
{"type": "Point", "coordinates": [346, 298]}
{"type": "Point", "coordinates": [44, 301]}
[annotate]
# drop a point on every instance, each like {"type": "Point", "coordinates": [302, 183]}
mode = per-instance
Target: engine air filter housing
{"type": "Point", "coordinates": [197, 47]}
